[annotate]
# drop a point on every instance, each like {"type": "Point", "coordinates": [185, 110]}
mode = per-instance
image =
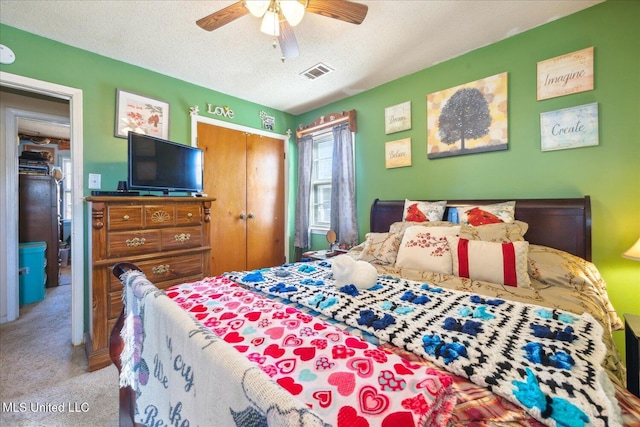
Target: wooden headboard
{"type": "Point", "coordinates": [563, 224]}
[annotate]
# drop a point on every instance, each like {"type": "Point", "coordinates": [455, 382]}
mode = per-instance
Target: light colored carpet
{"type": "Point", "coordinates": [44, 380]}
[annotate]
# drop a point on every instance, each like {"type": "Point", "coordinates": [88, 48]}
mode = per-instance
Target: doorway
{"type": "Point", "coordinates": [45, 194]}
{"type": "Point", "coordinates": [9, 195]}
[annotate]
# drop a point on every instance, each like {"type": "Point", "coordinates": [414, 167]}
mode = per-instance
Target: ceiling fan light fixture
{"type": "Point", "coordinates": [292, 10]}
{"type": "Point", "coordinates": [271, 23]}
{"type": "Point", "coordinates": [257, 7]}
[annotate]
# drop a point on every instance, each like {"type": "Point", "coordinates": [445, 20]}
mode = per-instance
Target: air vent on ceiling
{"type": "Point", "coordinates": [316, 71]}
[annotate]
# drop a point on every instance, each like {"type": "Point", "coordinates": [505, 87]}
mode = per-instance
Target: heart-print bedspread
{"type": "Point", "coordinates": [344, 379]}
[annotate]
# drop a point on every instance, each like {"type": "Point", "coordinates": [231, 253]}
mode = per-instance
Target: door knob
{"type": "Point", "coordinates": [243, 216]}
{"type": "Point", "coordinates": [251, 215]}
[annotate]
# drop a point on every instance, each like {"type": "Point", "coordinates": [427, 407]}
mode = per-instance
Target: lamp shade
{"type": "Point", "coordinates": [633, 252]}
{"type": "Point", "coordinates": [257, 7]}
{"type": "Point", "coordinates": [271, 24]}
{"type": "Point", "coordinates": [292, 10]}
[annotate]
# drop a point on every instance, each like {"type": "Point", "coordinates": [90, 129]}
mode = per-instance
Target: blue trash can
{"type": "Point", "coordinates": [33, 276]}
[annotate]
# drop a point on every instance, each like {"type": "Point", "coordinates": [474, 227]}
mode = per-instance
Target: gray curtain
{"type": "Point", "coordinates": [343, 187]}
{"type": "Point", "coordinates": [305, 160]}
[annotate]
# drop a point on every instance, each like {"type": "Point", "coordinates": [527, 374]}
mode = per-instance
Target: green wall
{"type": "Point", "coordinates": [609, 172]}
{"type": "Point", "coordinates": [98, 77]}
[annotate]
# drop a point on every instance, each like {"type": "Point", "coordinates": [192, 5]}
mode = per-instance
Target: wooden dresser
{"type": "Point", "coordinates": [167, 237]}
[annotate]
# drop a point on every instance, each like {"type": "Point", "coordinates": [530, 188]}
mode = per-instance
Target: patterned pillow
{"type": "Point", "coordinates": [503, 232]}
{"type": "Point", "coordinates": [380, 248]}
{"type": "Point", "coordinates": [487, 214]}
{"type": "Point", "coordinates": [417, 211]}
{"type": "Point", "coordinates": [401, 226]}
{"type": "Point", "coordinates": [503, 263]}
{"type": "Point", "coordinates": [426, 249]}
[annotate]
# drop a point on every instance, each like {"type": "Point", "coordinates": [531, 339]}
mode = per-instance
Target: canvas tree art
{"type": "Point", "coordinates": [465, 116]}
{"type": "Point", "coordinates": [466, 119]}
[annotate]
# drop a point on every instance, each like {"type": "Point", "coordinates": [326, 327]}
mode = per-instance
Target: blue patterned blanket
{"type": "Point", "coordinates": [547, 361]}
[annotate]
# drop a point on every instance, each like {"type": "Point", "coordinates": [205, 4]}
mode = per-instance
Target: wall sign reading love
{"type": "Point", "coordinates": [220, 111]}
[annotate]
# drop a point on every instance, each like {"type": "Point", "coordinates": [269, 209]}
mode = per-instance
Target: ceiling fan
{"type": "Point", "coordinates": [279, 16]}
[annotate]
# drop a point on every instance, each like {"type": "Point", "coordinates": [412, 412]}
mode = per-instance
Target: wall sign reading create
{"type": "Point", "coordinates": [569, 128]}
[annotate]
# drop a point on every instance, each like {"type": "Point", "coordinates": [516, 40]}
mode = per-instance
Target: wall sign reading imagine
{"type": "Point", "coordinates": [566, 74]}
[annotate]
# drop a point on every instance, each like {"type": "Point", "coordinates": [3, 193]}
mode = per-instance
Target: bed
{"type": "Point", "coordinates": [286, 346]}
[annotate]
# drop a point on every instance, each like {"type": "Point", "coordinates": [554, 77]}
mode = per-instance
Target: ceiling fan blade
{"type": "Point", "coordinates": [223, 16]}
{"type": "Point", "coordinates": [343, 10]}
{"type": "Point", "coordinates": [287, 40]}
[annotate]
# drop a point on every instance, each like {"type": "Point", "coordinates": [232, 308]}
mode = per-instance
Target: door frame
{"type": "Point", "coordinates": [9, 195]}
{"type": "Point", "coordinates": [195, 119]}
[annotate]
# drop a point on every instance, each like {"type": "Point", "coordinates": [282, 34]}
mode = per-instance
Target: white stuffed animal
{"type": "Point", "coordinates": [347, 270]}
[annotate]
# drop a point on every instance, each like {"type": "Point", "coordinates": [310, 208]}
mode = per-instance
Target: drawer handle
{"type": "Point", "coordinates": [126, 217]}
{"type": "Point", "coordinates": [189, 215]}
{"type": "Point", "coordinates": [184, 237]}
{"type": "Point", "coordinates": [136, 241]}
{"type": "Point", "coordinates": [161, 269]}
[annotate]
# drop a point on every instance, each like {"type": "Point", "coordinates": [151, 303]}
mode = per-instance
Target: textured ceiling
{"type": "Point", "coordinates": [397, 38]}
{"type": "Point", "coordinates": [39, 128]}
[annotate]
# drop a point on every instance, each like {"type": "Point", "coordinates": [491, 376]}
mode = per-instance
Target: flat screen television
{"type": "Point", "coordinates": [156, 164]}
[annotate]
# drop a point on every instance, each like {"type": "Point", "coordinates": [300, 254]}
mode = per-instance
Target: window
{"type": "Point", "coordinates": [66, 188]}
{"type": "Point", "coordinates": [320, 212]}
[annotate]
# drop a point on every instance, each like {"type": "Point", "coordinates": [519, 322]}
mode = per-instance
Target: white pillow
{"type": "Point", "coordinates": [487, 214]}
{"type": "Point", "coordinates": [503, 263]}
{"type": "Point", "coordinates": [380, 248]}
{"type": "Point", "coordinates": [426, 249]}
{"type": "Point", "coordinates": [418, 211]}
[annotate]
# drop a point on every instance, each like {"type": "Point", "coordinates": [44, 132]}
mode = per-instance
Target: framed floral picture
{"type": "Point", "coordinates": [141, 114]}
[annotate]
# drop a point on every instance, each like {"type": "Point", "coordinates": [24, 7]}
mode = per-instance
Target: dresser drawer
{"type": "Point", "coordinates": [188, 214]}
{"type": "Point", "coordinates": [159, 216]}
{"type": "Point", "coordinates": [170, 268]}
{"type": "Point", "coordinates": [166, 269]}
{"type": "Point", "coordinates": [124, 217]}
{"type": "Point", "coordinates": [181, 238]}
{"type": "Point", "coordinates": [122, 243]}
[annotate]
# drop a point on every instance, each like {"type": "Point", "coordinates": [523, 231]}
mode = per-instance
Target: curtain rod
{"type": "Point", "coordinates": [327, 121]}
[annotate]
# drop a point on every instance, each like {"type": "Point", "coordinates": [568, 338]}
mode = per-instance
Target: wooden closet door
{"type": "Point", "coordinates": [265, 202]}
{"type": "Point", "coordinates": [225, 179]}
